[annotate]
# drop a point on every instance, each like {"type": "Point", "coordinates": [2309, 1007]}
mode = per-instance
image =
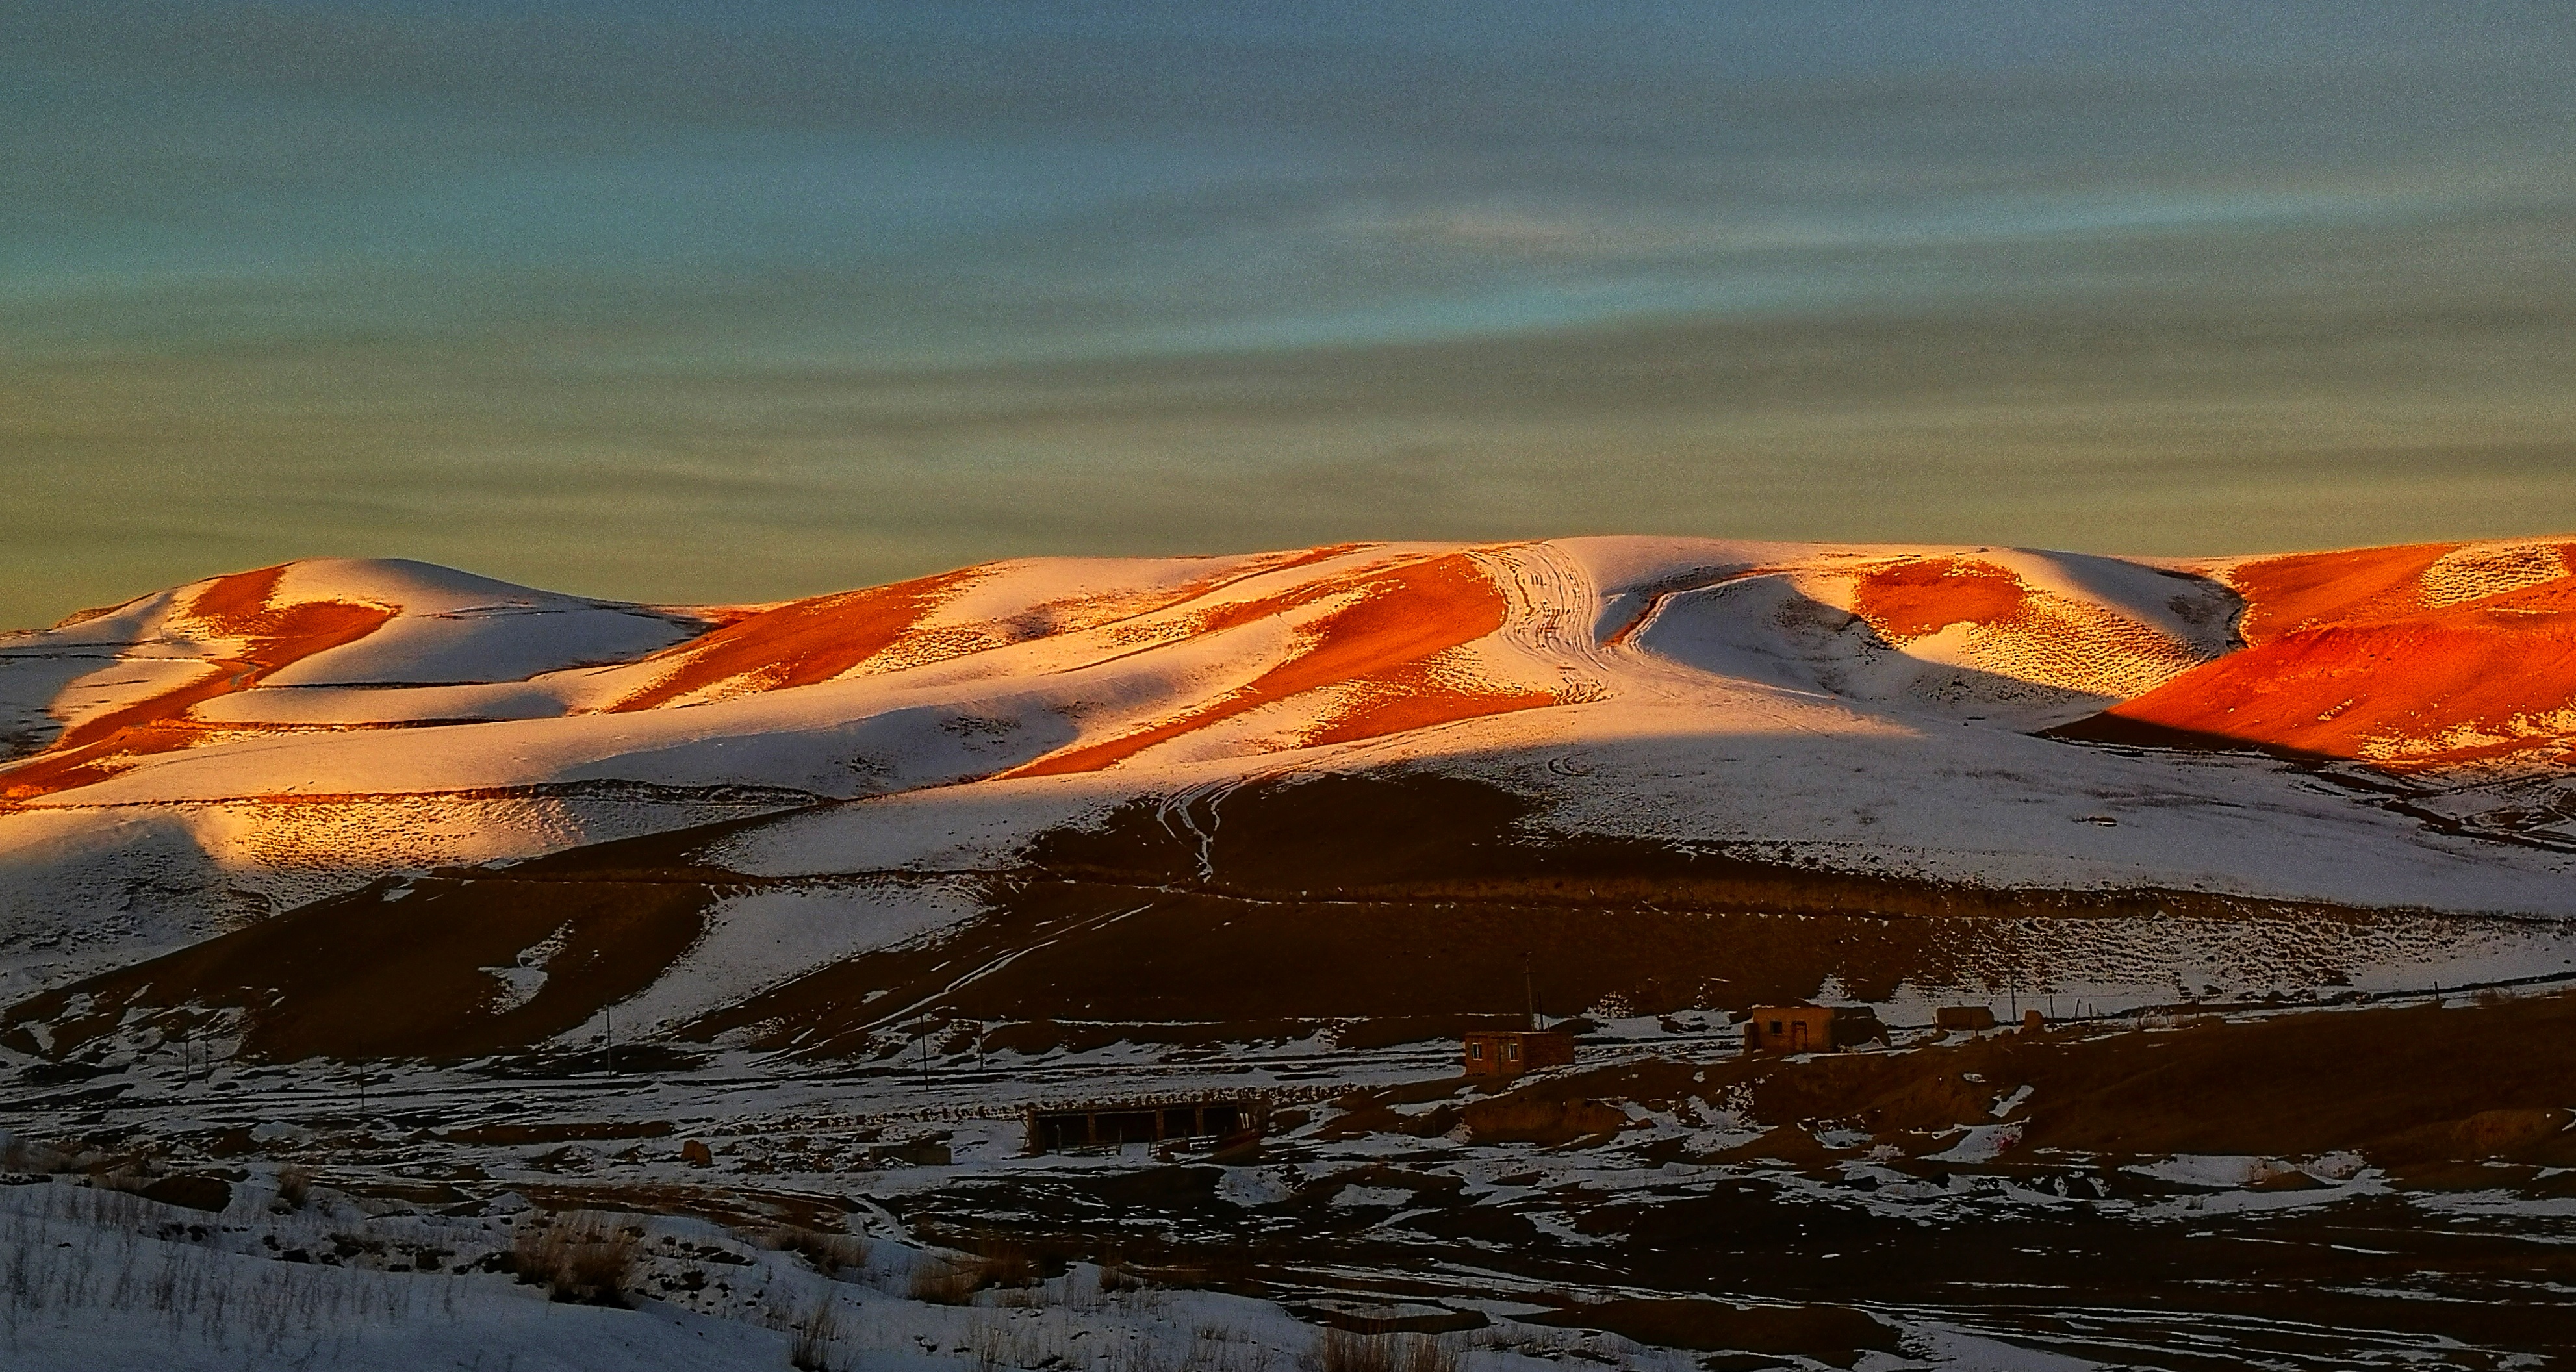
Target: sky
{"type": "Point", "coordinates": [698, 302]}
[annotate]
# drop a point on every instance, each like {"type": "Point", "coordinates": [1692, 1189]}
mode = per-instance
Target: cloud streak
{"type": "Point", "coordinates": [719, 303]}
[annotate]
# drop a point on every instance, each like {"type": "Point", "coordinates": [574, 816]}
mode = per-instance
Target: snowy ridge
{"type": "Point", "coordinates": [1262, 654]}
{"type": "Point", "coordinates": [238, 746]}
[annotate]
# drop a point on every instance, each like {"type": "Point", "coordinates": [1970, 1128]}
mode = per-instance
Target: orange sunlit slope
{"type": "Point", "coordinates": [1381, 644]}
{"type": "Point", "coordinates": [805, 642]}
{"type": "Point", "coordinates": [1926, 595]}
{"type": "Point", "coordinates": [2405, 657]}
{"type": "Point", "coordinates": [799, 643]}
{"type": "Point", "coordinates": [231, 607]}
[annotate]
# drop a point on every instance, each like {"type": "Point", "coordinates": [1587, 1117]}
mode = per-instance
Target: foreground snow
{"type": "Point", "coordinates": [400, 1231]}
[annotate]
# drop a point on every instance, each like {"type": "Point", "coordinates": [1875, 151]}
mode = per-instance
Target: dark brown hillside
{"type": "Point", "coordinates": [359, 976]}
{"type": "Point", "coordinates": [1396, 895]}
{"type": "Point", "coordinates": [1402, 835]}
{"type": "Point", "coordinates": [1387, 896]}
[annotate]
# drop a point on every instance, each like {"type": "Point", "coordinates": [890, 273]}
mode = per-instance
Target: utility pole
{"type": "Point", "coordinates": [922, 1027]}
{"type": "Point", "coordinates": [1529, 990]}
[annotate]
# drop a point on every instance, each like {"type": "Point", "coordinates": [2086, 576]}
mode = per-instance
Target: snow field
{"type": "Point", "coordinates": [92, 1277]}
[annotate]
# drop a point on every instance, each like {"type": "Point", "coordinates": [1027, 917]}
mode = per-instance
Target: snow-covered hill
{"type": "Point", "coordinates": [2387, 733]}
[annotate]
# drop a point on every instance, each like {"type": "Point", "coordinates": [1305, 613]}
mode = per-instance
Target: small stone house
{"type": "Point", "coordinates": [1811, 1028]}
{"type": "Point", "coordinates": [1510, 1052]}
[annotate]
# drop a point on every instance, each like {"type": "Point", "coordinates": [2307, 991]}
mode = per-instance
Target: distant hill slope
{"type": "Point", "coordinates": [2407, 658]}
{"type": "Point", "coordinates": [1862, 732]}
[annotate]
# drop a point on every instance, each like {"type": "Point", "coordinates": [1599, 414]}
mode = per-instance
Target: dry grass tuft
{"type": "Point", "coordinates": [1340, 1350]}
{"type": "Point", "coordinates": [1117, 1274]}
{"type": "Point", "coordinates": [830, 1253]}
{"type": "Point", "coordinates": [1215, 1348]}
{"type": "Point", "coordinates": [943, 1282]}
{"type": "Point", "coordinates": [954, 1279]}
{"type": "Point", "coordinates": [811, 1348]}
{"type": "Point", "coordinates": [25, 1155]}
{"type": "Point", "coordinates": [1009, 1264]}
{"type": "Point", "coordinates": [580, 1257]}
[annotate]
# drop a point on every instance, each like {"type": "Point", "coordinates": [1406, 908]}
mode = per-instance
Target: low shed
{"type": "Point", "coordinates": [1510, 1052]}
{"type": "Point", "coordinates": [1811, 1028]}
{"type": "Point", "coordinates": [1972, 1018]}
{"type": "Point", "coordinates": [1065, 1129]}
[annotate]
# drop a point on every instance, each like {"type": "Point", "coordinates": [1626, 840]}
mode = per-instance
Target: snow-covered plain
{"type": "Point", "coordinates": [386, 1227]}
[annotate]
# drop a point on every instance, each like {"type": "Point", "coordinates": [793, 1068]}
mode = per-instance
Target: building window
{"type": "Point", "coordinates": [1775, 1026]}
{"type": "Point", "coordinates": [1512, 1051]}
{"type": "Point", "coordinates": [1476, 1050]}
